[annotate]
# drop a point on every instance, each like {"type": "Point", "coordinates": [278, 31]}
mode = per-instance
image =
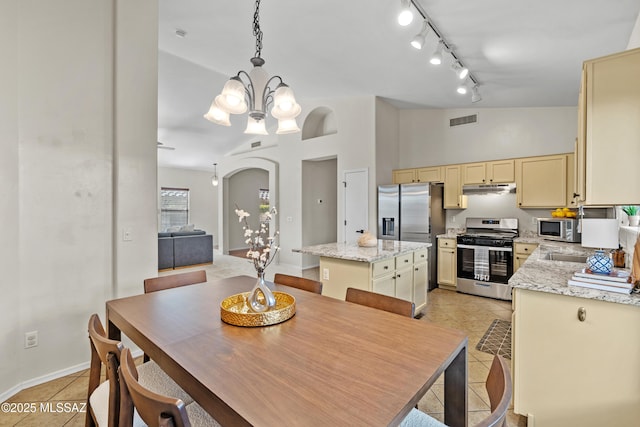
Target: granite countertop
{"type": "Point", "coordinates": [351, 251]}
{"type": "Point", "coordinates": [543, 275]}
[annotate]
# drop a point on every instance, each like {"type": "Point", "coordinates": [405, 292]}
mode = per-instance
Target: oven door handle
{"type": "Point", "coordinates": [491, 248]}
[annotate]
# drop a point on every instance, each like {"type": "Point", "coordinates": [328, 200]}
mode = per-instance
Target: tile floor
{"type": "Point", "coordinates": [466, 312]}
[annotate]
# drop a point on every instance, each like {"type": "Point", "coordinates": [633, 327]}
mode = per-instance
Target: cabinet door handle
{"type": "Point", "coordinates": [406, 260]}
{"type": "Point", "coordinates": [582, 314]}
{"type": "Point", "coordinates": [386, 267]}
{"type": "Point", "coordinates": [417, 269]}
{"type": "Point", "coordinates": [397, 276]}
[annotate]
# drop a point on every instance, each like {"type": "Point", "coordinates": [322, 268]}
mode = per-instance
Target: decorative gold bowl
{"type": "Point", "coordinates": [235, 310]}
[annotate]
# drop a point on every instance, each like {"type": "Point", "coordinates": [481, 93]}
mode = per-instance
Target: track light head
{"type": "Point", "coordinates": [406, 15]}
{"type": "Point", "coordinates": [418, 40]}
{"type": "Point", "coordinates": [436, 58]}
{"type": "Point", "coordinates": [475, 95]}
{"type": "Point", "coordinates": [461, 71]}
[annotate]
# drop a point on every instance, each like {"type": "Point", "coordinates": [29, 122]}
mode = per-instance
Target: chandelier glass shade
{"type": "Point", "coordinates": [255, 92]}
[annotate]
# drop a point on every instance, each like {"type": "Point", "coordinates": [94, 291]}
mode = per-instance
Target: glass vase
{"type": "Point", "coordinates": [261, 297]}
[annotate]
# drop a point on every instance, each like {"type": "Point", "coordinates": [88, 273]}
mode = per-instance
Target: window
{"type": "Point", "coordinates": [174, 207]}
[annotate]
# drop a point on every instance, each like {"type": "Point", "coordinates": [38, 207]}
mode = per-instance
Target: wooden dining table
{"type": "Point", "coordinates": [334, 363]}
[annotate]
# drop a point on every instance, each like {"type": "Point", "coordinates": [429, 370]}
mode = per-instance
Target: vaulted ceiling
{"type": "Point", "coordinates": [522, 54]}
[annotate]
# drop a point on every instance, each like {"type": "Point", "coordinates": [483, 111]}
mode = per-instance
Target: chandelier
{"type": "Point", "coordinates": [254, 91]}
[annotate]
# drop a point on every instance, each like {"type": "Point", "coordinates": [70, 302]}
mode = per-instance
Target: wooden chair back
{"type": "Point", "coordinates": [154, 409]}
{"type": "Point", "coordinates": [103, 352]}
{"type": "Point", "coordinates": [381, 302]}
{"type": "Point", "coordinates": [155, 284]}
{"type": "Point", "coordinates": [298, 282]}
{"type": "Point", "coordinates": [499, 388]}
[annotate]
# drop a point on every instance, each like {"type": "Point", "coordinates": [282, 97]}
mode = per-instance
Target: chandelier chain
{"type": "Point", "coordinates": [257, 32]}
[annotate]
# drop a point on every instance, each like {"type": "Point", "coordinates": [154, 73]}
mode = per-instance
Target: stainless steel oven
{"type": "Point", "coordinates": [485, 257]}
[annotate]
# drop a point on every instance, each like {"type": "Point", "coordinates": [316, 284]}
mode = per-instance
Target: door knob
{"type": "Point", "coordinates": [359, 231]}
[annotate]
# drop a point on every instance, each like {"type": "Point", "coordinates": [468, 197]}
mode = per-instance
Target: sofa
{"type": "Point", "coordinates": [183, 248]}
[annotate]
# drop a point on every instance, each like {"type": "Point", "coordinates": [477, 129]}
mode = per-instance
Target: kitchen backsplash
{"type": "Point", "coordinates": [504, 206]}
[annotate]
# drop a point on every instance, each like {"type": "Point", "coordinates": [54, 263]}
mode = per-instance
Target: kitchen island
{"type": "Point", "coordinates": [575, 350]}
{"type": "Point", "coordinates": [391, 267]}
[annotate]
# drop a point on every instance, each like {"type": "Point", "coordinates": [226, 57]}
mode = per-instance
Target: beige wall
{"type": "Point", "coordinates": [500, 133]}
{"type": "Point", "coordinates": [78, 174]}
{"type": "Point", "coordinates": [319, 206]}
{"type": "Point", "coordinates": [202, 196]}
{"type": "Point", "coordinates": [243, 188]}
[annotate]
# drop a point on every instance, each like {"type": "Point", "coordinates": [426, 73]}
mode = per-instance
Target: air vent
{"type": "Point", "coordinates": [256, 144]}
{"type": "Point", "coordinates": [463, 120]}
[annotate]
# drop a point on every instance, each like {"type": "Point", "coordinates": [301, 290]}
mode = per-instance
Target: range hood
{"type": "Point", "coordinates": [488, 189]}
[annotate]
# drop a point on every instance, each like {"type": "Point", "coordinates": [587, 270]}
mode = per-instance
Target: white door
{"type": "Point", "coordinates": [356, 204]}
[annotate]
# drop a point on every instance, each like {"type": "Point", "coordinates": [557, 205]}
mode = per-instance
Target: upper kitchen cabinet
{"type": "Point", "coordinates": [428, 174]}
{"type": "Point", "coordinates": [541, 182]}
{"type": "Point", "coordinates": [453, 198]}
{"type": "Point", "coordinates": [496, 172]}
{"type": "Point", "coordinates": [608, 146]}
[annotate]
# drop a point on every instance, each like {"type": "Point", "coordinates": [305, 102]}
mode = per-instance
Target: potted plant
{"type": "Point", "coordinates": [632, 213]}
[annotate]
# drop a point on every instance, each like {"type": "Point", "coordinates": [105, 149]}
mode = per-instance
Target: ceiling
{"type": "Point", "coordinates": [522, 53]}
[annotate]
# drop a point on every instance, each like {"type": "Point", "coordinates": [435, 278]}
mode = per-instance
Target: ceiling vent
{"type": "Point", "coordinates": [466, 120]}
{"type": "Point", "coordinates": [256, 144]}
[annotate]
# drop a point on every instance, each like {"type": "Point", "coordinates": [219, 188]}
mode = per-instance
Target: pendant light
{"type": "Point", "coordinates": [254, 92]}
{"type": "Point", "coordinates": [214, 178]}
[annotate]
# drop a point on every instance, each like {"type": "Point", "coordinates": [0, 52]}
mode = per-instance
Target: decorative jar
{"type": "Point", "coordinates": [600, 262]}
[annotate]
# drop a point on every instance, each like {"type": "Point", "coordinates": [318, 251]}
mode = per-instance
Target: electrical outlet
{"type": "Point", "coordinates": [126, 235]}
{"type": "Point", "coordinates": [325, 274]}
{"type": "Point", "coordinates": [31, 339]}
{"type": "Point", "coordinates": [453, 218]}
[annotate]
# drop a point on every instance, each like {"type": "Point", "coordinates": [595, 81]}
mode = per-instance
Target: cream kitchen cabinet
{"type": "Point", "coordinates": [521, 253]}
{"type": "Point", "coordinates": [427, 174]}
{"type": "Point", "coordinates": [400, 274]}
{"type": "Point", "coordinates": [453, 198]}
{"type": "Point", "coordinates": [420, 279]}
{"type": "Point", "coordinates": [395, 277]}
{"type": "Point", "coordinates": [447, 272]}
{"type": "Point", "coordinates": [496, 172]}
{"type": "Point", "coordinates": [541, 182]}
{"type": "Point", "coordinates": [608, 145]}
{"type": "Point", "coordinates": [571, 369]}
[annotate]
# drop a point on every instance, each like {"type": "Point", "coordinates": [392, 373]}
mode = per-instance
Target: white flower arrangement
{"type": "Point", "coordinates": [262, 247]}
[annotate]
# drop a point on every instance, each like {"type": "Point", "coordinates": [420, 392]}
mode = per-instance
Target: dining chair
{"type": "Point", "coordinates": [498, 387]}
{"type": "Point", "coordinates": [161, 283]}
{"type": "Point", "coordinates": [381, 302]}
{"type": "Point", "coordinates": [154, 409]}
{"type": "Point", "coordinates": [298, 282]}
{"type": "Point", "coordinates": [103, 399]}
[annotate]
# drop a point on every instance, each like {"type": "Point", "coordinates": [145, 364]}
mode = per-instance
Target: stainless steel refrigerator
{"type": "Point", "coordinates": [414, 213]}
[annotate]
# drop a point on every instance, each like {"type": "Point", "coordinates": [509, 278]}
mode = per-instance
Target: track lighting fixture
{"type": "Point", "coordinates": [418, 40]}
{"type": "Point", "coordinates": [461, 71]}
{"type": "Point", "coordinates": [436, 58]}
{"type": "Point", "coordinates": [406, 15]}
{"type": "Point", "coordinates": [214, 178]}
{"type": "Point", "coordinates": [462, 89]}
{"type": "Point", "coordinates": [475, 95]}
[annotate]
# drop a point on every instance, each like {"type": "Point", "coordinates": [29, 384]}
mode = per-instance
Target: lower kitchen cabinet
{"type": "Point", "coordinates": [522, 252]}
{"type": "Point", "coordinates": [573, 372]}
{"type": "Point", "coordinates": [403, 276]}
{"type": "Point", "coordinates": [447, 271]}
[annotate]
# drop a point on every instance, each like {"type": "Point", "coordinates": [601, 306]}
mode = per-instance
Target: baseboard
{"type": "Point", "coordinates": [50, 377]}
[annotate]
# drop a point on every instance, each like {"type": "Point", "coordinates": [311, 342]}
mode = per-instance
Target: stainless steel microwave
{"type": "Point", "coordinates": [561, 229]}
